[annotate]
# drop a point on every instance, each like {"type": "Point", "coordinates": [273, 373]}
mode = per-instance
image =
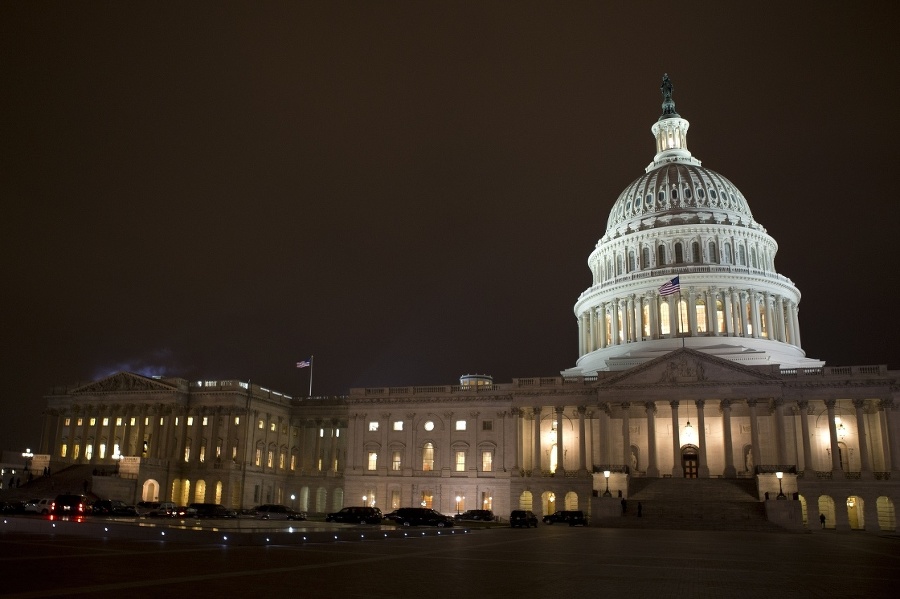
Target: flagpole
{"type": "Point", "coordinates": [310, 374]}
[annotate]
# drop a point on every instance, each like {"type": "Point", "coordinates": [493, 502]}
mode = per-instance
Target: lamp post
{"type": "Point", "coordinates": [293, 501]}
{"type": "Point", "coordinates": [606, 493]}
{"type": "Point", "coordinates": [781, 494]}
{"type": "Point", "coordinates": [458, 499]}
{"type": "Point", "coordinates": [365, 499]}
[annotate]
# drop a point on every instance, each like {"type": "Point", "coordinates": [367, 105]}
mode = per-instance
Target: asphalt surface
{"type": "Point", "coordinates": [547, 562]}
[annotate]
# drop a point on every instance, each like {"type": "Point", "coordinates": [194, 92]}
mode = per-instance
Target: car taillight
{"type": "Point", "coordinates": [53, 506]}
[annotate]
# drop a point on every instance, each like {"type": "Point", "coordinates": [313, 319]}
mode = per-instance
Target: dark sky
{"type": "Point", "coordinates": [409, 191]}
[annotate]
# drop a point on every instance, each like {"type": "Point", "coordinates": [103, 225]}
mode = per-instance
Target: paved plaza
{"type": "Point", "coordinates": [547, 562]}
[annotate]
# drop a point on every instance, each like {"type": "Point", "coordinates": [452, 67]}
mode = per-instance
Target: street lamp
{"type": "Point", "coordinates": [293, 499]}
{"type": "Point", "coordinates": [606, 493]}
{"type": "Point", "coordinates": [781, 494]}
{"type": "Point", "coordinates": [458, 499]}
{"type": "Point", "coordinates": [365, 499]}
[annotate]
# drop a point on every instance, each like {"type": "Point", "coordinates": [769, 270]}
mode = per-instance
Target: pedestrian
{"type": "Point", "coordinates": [640, 509]}
{"type": "Point", "coordinates": [624, 506]}
{"type": "Point", "coordinates": [822, 519]}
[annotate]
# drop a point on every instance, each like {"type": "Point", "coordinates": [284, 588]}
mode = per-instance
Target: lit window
{"type": "Point", "coordinates": [205, 420]}
{"type": "Point", "coordinates": [281, 459]}
{"type": "Point", "coordinates": [78, 422]}
{"type": "Point", "coordinates": [102, 450]}
{"type": "Point", "coordinates": [261, 425]}
{"type": "Point", "coordinates": [190, 421]}
{"type": "Point", "coordinates": [293, 462]}
{"type": "Point", "coordinates": [187, 453]}
{"type": "Point", "coordinates": [428, 457]}
{"type": "Point", "coordinates": [398, 425]}
{"type": "Point", "coordinates": [106, 422]}
{"type": "Point", "coordinates": [373, 460]}
{"type": "Point", "coordinates": [337, 432]}
{"type": "Point", "coordinates": [487, 461]}
{"type": "Point", "coordinates": [132, 421]}
{"type": "Point", "coordinates": [93, 422]}
{"type": "Point", "coordinates": [460, 461]}
{"type": "Point", "coordinates": [373, 426]}
{"type": "Point", "coordinates": [257, 459]}
{"type": "Point", "coordinates": [395, 460]}
{"type": "Point", "coordinates": [63, 449]}
{"type": "Point", "coordinates": [202, 456]}
{"type": "Point", "coordinates": [321, 433]}
{"type": "Point", "coordinates": [270, 458]}
{"type": "Point", "coordinates": [272, 427]}
{"type": "Point", "coordinates": [460, 425]}
{"type": "Point", "coordinates": [88, 451]}
{"type": "Point", "coordinates": [237, 420]}
{"type": "Point", "coordinates": [487, 425]}
{"type": "Point", "coordinates": [68, 422]}
{"type": "Point", "coordinates": [118, 422]}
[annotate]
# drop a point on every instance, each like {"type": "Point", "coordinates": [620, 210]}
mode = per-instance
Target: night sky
{"type": "Point", "coordinates": [410, 191]}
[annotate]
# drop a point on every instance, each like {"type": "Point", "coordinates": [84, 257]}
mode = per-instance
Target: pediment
{"type": "Point", "coordinates": [123, 382]}
{"type": "Point", "coordinates": [685, 366]}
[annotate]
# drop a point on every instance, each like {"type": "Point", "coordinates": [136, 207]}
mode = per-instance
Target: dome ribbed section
{"type": "Point", "coordinates": [679, 193]}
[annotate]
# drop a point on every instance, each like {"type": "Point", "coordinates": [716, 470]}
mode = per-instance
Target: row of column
{"type": "Point", "coordinates": [624, 320]}
{"type": "Point", "coordinates": [725, 406]}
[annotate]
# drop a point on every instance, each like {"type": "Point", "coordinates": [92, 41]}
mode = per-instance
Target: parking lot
{"type": "Point", "coordinates": [549, 561]}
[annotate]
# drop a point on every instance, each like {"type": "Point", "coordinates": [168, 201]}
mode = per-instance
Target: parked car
{"type": "Point", "coordinates": [12, 507]}
{"type": "Point", "coordinates": [522, 518]}
{"type": "Point", "coordinates": [38, 506]}
{"type": "Point", "coordinates": [274, 511]}
{"type": "Point", "coordinates": [69, 506]}
{"type": "Point", "coordinates": [112, 507]}
{"type": "Point", "coordinates": [416, 516]}
{"type": "Point", "coordinates": [570, 517]}
{"type": "Point", "coordinates": [156, 509]}
{"type": "Point", "coordinates": [362, 515]}
{"type": "Point", "coordinates": [477, 515]}
{"type": "Point", "coordinates": [209, 510]}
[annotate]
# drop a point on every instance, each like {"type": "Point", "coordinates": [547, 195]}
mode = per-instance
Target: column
{"type": "Point", "coordinates": [582, 334]}
{"type": "Point", "coordinates": [582, 441]}
{"type": "Point", "coordinates": [832, 430]}
{"type": "Point", "coordinates": [603, 427]}
{"type": "Point", "coordinates": [536, 454]}
{"type": "Point", "coordinates": [865, 461]}
{"type": "Point", "coordinates": [592, 342]}
{"type": "Point", "coordinates": [771, 328]}
{"type": "Point", "coordinates": [730, 470]}
{"type": "Point", "coordinates": [614, 333]}
{"type": "Point", "coordinates": [653, 301]}
{"type": "Point", "coordinates": [754, 315]}
{"type": "Point", "coordinates": [728, 312]}
{"type": "Point", "coordinates": [803, 411]}
{"type": "Point", "coordinates": [332, 451]}
{"type": "Point", "coordinates": [780, 442]}
{"type": "Point", "coordinates": [795, 323]}
{"type": "Point", "coordinates": [652, 468]}
{"type": "Point", "coordinates": [703, 470]}
{"type": "Point", "coordinates": [754, 431]}
{"type": "Point", "coordinates": [603, 327]}
{"type": "Point", "coordinates": [712, 323]}
{"type": "Point", "coordinates": [519, 419]}
{"type": "Point", "coordinates": [692, 311]}
{"type": "Point", "coordinates": [630, 333]}
{"type": "Point", "coordinates": [142, 425]}
{"type": "Point", "coordinates": [887, 405]}
{"type": "Point", "coordinates": [626, 435]}
{"type": "Point", "coordinates": [317, 455]}
{"type": "Point", "coordinates": [560, 452]}
{"type": "Point", "coordinates": [677, 468]}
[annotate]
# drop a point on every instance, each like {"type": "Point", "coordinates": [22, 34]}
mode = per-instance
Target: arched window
{"type": "Point", "coordinates": [695, 252]}
{"type": "Point", "coordinates": [674, 194]}
{"type": "Point", "coordinates": [662, 197]}
{"type": "Point", "coordinates": [742, 256]}
{"type": "Point", "coordinates": [679, 253]}
{"type": "Point", "coordinates": [428, 457]}
{"type": "Point", "coordinates": [753, 261]}
{"type": "Point", "coordinates": [727, 257]}
{"type": "Point", "coordinates": [664, 327]}
{"type": "Point", "coordinates": [661, 255]}
{"type": "Point", "coordinates": [720, 316]}
{"type": "Point", "coordinates": [687, 193]}
{"type": "Point", "coordinates": [713, 256]}
{"type": "Point", "coordinates": [645, 318]}
{"type": "Point", "coordinates": [632, 261]}
{"type": "Point", "coordinates": [618, 265]}
{"type": "Point", "coordinates": [682, 316]}
{"type": "Point", "coordinates": [700, 314]}
{"type": "Point", "coordinates": [645, 258]}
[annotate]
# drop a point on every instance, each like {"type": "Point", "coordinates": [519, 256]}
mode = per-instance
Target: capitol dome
{"type": "Point", "coordinates": [683, 263]}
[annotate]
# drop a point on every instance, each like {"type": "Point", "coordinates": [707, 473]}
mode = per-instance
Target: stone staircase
{"type": "Point", "coordinates": [693, 504]}
{"type": "Point", "coordinates": [68, 480]}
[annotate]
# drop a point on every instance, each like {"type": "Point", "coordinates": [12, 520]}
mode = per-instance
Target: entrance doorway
{"type": "Point", "coordinates": [690, 461]}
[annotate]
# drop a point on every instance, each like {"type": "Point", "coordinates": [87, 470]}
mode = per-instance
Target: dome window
{"type": "Point", "coordinates": [679, 253]}
{"type": "Point", "coordinates": [661, 255]}
{"type": "Point", "coordinates": [662, 196]}
{"type": "Point", "coordinates": [628, 206]}
{"type": "Point", "coordinates": [700, 193]}
{"type": "Point", "coordinates": [648, 201]}
{"type": "Point", "coordinates": [687, 193]}
{"type": "Point", "coordinates": [674, 194]}
{"type": "Point", "coordinates": [712, 193]}
{"type": "Point", "coordinates": [713, 255]}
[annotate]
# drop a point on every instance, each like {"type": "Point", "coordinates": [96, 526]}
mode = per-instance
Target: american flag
{"type": "Point", "coordinates": [303, 364]}
{"type": "Point", "coordinates": [670, 287]}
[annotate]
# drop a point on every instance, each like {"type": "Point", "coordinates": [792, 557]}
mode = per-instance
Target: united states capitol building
{"type": "Point", "coordinates": [690, 377]}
